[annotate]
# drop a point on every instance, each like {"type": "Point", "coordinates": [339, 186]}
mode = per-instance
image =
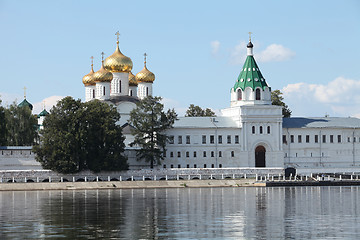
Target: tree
{"type": "Point", "coordinates": [21, 126]}
{"type": "Point", "coordinates": [277, 99]}
{"type": "Point", "coordinates": [3, 129]}
{"type": "Point", "coordinates": [196, 111]}
{"type": "Point", "coordinates": [150, 122]}
{"type": "Point", "coordinates": [79, 136]}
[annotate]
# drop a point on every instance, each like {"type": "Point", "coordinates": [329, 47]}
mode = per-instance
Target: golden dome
{"type": "Point", "coordinates": [118, 62]}
{"type": "Point", "coordinates": [145, 75]}
{"type": "Point", "coordinates": [88, 79]}
{"type": "Point", "coordinates": [103, 75]}
{"type": "Point", "coordinates": [132, 80]}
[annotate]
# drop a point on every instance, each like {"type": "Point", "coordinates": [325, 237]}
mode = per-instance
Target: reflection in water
{"type": "Point", "coordinates": [262, 213]}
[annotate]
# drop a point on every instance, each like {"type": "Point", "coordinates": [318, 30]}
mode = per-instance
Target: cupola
{"type": "Point", "coordinates": [88, 79]}
{"type": "Point", "coordinates": [132, 80]}
{"type": "Point", "coordinates": [145, 75]}
{"type": "Point", "coordinates": [118, 62]}
{"type": "Point", "coordinates": [102, 75]}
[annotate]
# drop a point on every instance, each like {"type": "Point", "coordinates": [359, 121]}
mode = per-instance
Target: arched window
{"type": "Point", "coordinates": [120, 86]}
{"type": "Point", "coordinates": [257, 94]}
{"type": "Point", "coordinates": [93, 93]}
{"type": "Point", "coordinates": [268, 129]}
{"type": "Point", "coordinates": [239, 94]}
{"type": "Point", "coordinates": [104, 91]}
{"type": "Point", "coordinates": [261, 129]}
{"type": "Point", "coordinates": [147, 91]}
{"type": "Point", "coordinates": [253, 129]}
{"type": "Point", "coordinates": [130, 92]}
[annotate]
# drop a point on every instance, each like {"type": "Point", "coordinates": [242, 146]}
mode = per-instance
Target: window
{"type": "Point", "coordinates": [212, 154]}
{"type": "Point", "coordinates": [187, 154]}
{"type": "Point", "coordinates": [268, 130]}
{"type": "Point", "coordinates": [187, 165]}
{"type": "Point", "coordinates": [232, 154]}
{"type": "Point", "coordinates": [179, 139]}
{"type": "Point", "coordinates": [171, 154]}
{"type": "Point", "coordinates": [316, 138]}
{"type": "Point", "coordinates": [179, 154]}
{"type": "Point", "coordinates": [194, 154]}
{"type": "Point", "coordinates": [220, 154]}
{"type": "Point", "coordinates": [179, 166]}
{"type": "Point", "coordinates": [120, 85]}
{"type": "Point", "coordinates": [187, 139]}
{"type": "Point", "coordinates": [354, 139]}
{"type": "Point", "coordinates": [147, 91]}
{"type": "Point", "coordinates": [261, 130]}
{"type": "Point", "coordinates": [239, 94]}
{"type": "Point", "coordinates": [104, 91]}
{"type": "Point", "coordinates": [212, 139]}
{"type": "Point", "coordinates": [212, 165]}
{"type": "Point", "coordinates": [229, 139]}
{"type": "Point", "coordinates": [203, 139]}
{"type": "Point", "coordinates": [164, 154]}
{"type": "Point", "coordinates": [171, 139]}
{"type": "Point", "coordinates": [131, 92]}
{"type": "Point", "coordinates": [220, 165]}
{"type": "Point", "coordinates": [257, 94]}
{"type": "Point", "coordinates": [204, 154]}
{"type": "Point", "coordinates": [220, 139]}
{"type": "Point", "coordinates": [324, 138]}
{"type": "Point", "coordinates": [204, 165]}
{"type": "Point", "coordinates": [253, 129]}
{"type": "Point", "coordinates": [339, 138]}
{"type": "Point", "coordinates": [93, 93]}
{"type": "Point", "coordinates": [331, 138]}
{"type": "Point", "coordinates": [164, 166]}
{"type": "Point", "coordinates": [236, 139]}
{"type": "Point", "coordinates": [195, 166]}
{"type": "Point", "coordinates": [292, 138]}
{"type": "Point", "coordinates": [284, 139]}
{"type": "Point", "coordinates": [348, 139]}
{"type": "Point", "coordinates": [172, 166]}
{"type": "Point", "coordinates": [299, 139]}
{"type": "Point", "coordinates": [285, 154]}
{"type": "Point", "coordinates": [307, 138]}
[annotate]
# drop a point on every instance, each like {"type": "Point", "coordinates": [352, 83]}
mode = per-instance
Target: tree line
{"type": "Point", "coordinates": [18, 126]}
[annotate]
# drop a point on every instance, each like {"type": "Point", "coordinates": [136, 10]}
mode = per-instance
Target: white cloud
{"type": "Point", "coordinates": [9, 98]}
{"type": "Point", "coordinates": [171, 103]}
{"type": "Point", "coordinates": [49, 103]}
{"type": "Point", "coordinates": [339, 96]}
{"type": "Point", "coordinates": [215, 46]}
{"type": "Point", "coordinates": [275, 53]}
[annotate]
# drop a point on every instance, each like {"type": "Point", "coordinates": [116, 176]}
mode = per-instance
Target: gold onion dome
{"type": "Point", "coordinates": [145, 75]}
{"type": "Point", "coordinates": [88, 79]}
{"type": "Point", "coordinates": [132, 80]}
{"type": "Point", "coordinates": [118, 62]}
{"type": "Point", "coordinates": [103, 75]}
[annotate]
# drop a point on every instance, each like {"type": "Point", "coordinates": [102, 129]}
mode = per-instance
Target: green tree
{"type": "Point", "coordinates": [277, 99]}
{"type": "Point", "coordinates": [3, 129]}
{"type": "Point", "coordinates": [79, 136]}
{"type": "Point", "coordinates": [196, 111]}
{"type": "Point", "coordinates": [150, 123]}
{"type": "Point", "coordinates": [21, 126]}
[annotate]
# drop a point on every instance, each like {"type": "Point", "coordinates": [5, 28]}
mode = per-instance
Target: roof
{"type": "Point", "coordinates": [44, 113]}
{"type": "Point", "coordinates": [250, 76]}
{"type": "Point", "coordinates": [25, 103]}
{"type": "Point", "coordinates": [325, 122]}
{"type": "Point", "coordinates": [118, 99]}
{"type": "Point", "coordinates": [205, 122]}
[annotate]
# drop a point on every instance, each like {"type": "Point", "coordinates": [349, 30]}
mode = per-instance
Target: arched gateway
{"type": "Point", "coordinates": [260, 156]}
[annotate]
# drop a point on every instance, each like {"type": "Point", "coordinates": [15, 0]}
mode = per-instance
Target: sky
{"type": "Point", "coordinates": [307, 49]}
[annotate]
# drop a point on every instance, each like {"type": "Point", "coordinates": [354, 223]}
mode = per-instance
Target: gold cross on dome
{"type": "Point", "coordinates": [102, 56]}
{"type": "Point", "coordinates": [117, 34]}
{"type": "Point", "coordinates": [24, 92]}
{"type": "Point", "coordinates": [250, 36]}
{"type": "Point", "coordinates": [145, 58]}
{"type": "Point", "coordinates": [92, 60]}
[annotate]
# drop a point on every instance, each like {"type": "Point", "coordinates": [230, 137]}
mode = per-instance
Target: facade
{"type": "Point", "coordinates": [250, 133]}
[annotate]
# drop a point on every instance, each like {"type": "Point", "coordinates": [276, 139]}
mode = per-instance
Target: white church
{"type": "Point", "coordinates": [250, 133]}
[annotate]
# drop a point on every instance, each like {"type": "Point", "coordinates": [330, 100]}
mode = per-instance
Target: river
{"type": "Point", "coordinates": [183, 213]}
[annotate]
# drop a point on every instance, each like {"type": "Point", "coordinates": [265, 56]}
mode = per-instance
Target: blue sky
{"type": "Point", "coordinates": [307, 49]}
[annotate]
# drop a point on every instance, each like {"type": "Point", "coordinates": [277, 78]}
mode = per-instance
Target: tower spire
{"type": "Point", "coordinates": [24, 92]}
{"type": "Point", "coordinates": [145, 59]}
{"type": "Point", "coordinates": [250, 36]}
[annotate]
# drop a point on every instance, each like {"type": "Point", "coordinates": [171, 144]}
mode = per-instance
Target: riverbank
{"type": "Point", "coordinates": [129, 184]}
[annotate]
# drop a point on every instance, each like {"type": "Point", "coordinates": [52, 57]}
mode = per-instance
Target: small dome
{"type": "Point", "coordinates": [102, 75]}
{"type": "Point", "coordinates": [25, 103]}
{"type": "Point", "coordinates": [88, 79]}
{"type": "Point", "coordinates": [118, 62]}
{"type": "Point", "coordinates": [132, 80]}
{"type": "Point", "coordinates": [145, 76]}
{"type": "Point", "coordinates": [250, 45]}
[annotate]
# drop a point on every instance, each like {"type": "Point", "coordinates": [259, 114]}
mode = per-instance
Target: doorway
{"type": "Point", "coordinates": [260, 156]}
